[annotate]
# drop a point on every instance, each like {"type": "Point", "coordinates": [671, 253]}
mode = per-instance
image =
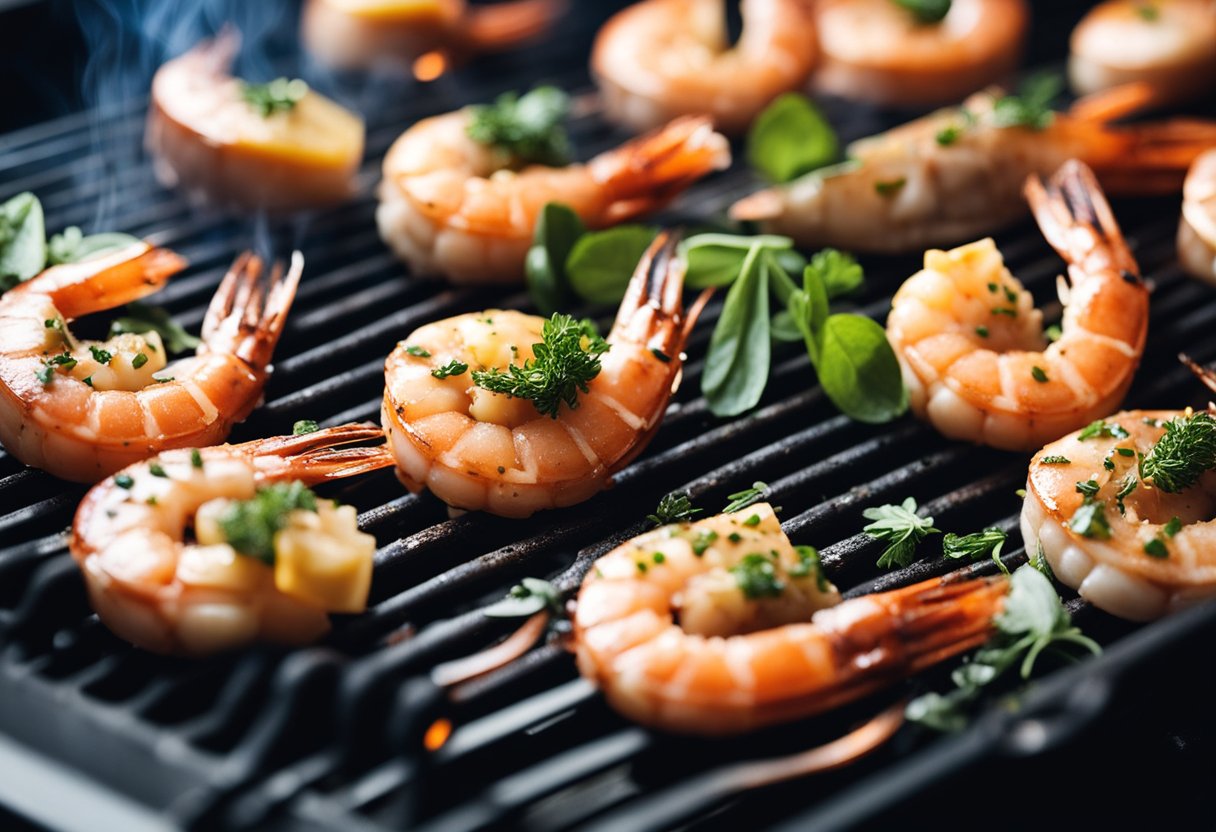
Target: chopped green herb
{"type": "Point", "coordinates": [1010, 295]}
{"type": "Point", "coordinates": [566, 361]}
{"type": "Point", "coordinates": [124, 481]}
{"type": "Point", "coordinates": [1038, 374]}
{"type": "Point", "coordinates": [1031, 107]}
{"type": "Point", "coordinates": [1088, 487]}
{"type": "Point", "coordinates": [901, 528]}
{"type": "Point", "coordinates": [196, 458]}
{"type": "Point", "coordinates": [662, 356]}
{"type": "Point", "coordinates": [734, 537]}
{"type": "Point", "coordinates": [673, 508]}
{"type": "Point", "coordinates": [417, 351]}
{"type": "Point", "coordinates": [526, 127]}
{"type": "Point", "coordinates": [703, 540]}
{"type": "Point", "coordinates": [278, 96]}
{"type": "Point", "coordinates": [250, 525]}
{"type": "Point", "coordinates": [528, 597]}
{"type": "Point", "coordinates": [1004, 310]}
{"type": "Point", "coordinates": [101, 356]}
{"type": "Point", "coordinates": [757, 577]}
{"type": "Point", "coordinates": [926, 11]}
{"type": "Point", "coordinates": [1090, 521]}
{"type": "Point", "coordinates": [1127, 485]}
{"type": "Point", "coordinates": [452, 368]}
{"type": "Point", "coordinates": [981, 331]}
{"type": "Point", "coordinates": [1099, 429]}
{"type": "Point", "coordinates": [304, 426]}
{"type": "Point", "coordinates": [808, 563]}
{"type": "Point", "coordinates": [754, 520]}
{"type": "Point", "coordinates": [1053, 333]}
{"type": "Point", "coordinates": [891, 187]}
{"type": "Point", "coordinates": [156, 469]}
{"type": "Point", "coordinates": [659, 557]}
{"type": "Point", "coordinates": [1172, 527]}
{"type": "Point", "coordinates": [1148, 11]}
{"type": "Point", "coordinates": [1155, 547]}
{"type": "Point", "coordinates": [88, 380]}
{"type": "Point", "coordinates": [139, 360]}
{"type": "Point", "coordinates": [642, 566]}
{"type": "Point", "coordinates": [748, 496]}
{"type": "Point", "coordinates": [1183, 453]}
{"type": "Point", "coordinates": [1055, 459]}
{"type": "Point", "coordinates": [949, 135]}
{"type": "Point", "coordinates": [975, 546]}
{"type": "Point", "coordinates": [64, 361]}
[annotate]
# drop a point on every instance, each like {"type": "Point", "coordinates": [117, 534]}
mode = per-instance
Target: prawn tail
{"type": "Point", "coordinates": [652, 311]}
{"type": "Point", "coordinates": [317, 456]}
{"type": "Point", "coordinates": [246, 320]}
{"type": "Point", "coordinates": [503, 25]}
{"type": "Point", "coordinates": [1206, 375]}
{"type": "Point", "coordinates": [648, 172]}
{"type": "Point", "coordinates": [1077, 221]}
{"type": "Point", "coordinates": [937, 619]}
{"type": "Point", "coordinates": [1157, 156]}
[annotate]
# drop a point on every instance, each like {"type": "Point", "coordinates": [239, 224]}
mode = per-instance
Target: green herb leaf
{"type": "Point", "coordinates": [74, 247]}
{"type": "Point", "coordinates": [566, 361]}
{"type": "Point", "coordinates": [22, 238]}
{"type": "Point", "coordinates": [196, 458]}
{"type": "Point", "coordinates": [250, 525]}
{"type": "Point", "coordinates": [278, 96]}
{"type": "Point", "coordinates": [756, 576]}
{"type": "Point", "coordinates": [673, 508]}
{"type": "Point", "coordinates": [747, 497]}
{"type": "Point", "coordinates": [926, 11]}
{"type": "Point", "coordinates": [452, 368]}
{"type": "Point", "coordinates": [703, 540]}
{"type": "Point", "coordinates": [142, 317]}
{"type": "Point", "coordinates": [528, 597]}
{"type": "Point", "coordinates": [528, 127]}
{"type": "Point", "coordinates": [840, 273]}
{"type": "Point", "coordinates": [949, 135]}
{"type": "Point", "coordinates": [601, 263]}
{"type": "Point", "coordinates": [901, 528]}
{"type": "Point", "coordinates": [1183, 453]}
{"type": "Point", "coordinates": [1172, 527]}
{"type": "Point", "coordinates": [100, 356]}
{"type": "Point", "coordinates": [304, 426]}
{"type": "Point", "coordinates": [737, 364]}
{"type": "Point", "coordinates": [1099, 429]}
{"type": "Point", "coordinates": [717, 259]}
{"type": "Point", "coordinates": [1031, 107]}
{"type": "Point", "coordinates": [1055, 459]}
{"type": "Point", "coordinates": [859, 370]}
{"type": "Point", "coordinates": [1090, 521]}
{"type": "Point", "coordinates": [124, 481]}
{"type": "Point", "coordinates": [138, 360]}
{"type": "Point", "coordinates": [890, 187]}
{"type": "Point", "coordinates": [557, 230]}
{"type": "Point", "coordinates": [809, 564]}
{"type": "Point", "coordinates": [1155, 547]}
{"type": "Point", "coordinates": [975, 546]}
{"type": "Point", "coordinates": [791, 137]}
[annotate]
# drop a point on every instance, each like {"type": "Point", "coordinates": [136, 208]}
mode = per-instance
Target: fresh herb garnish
{"type": "Point", "coordinates": [1033, 622]}
{"type": "Point", "coordinates": [63, 361]}
{"type": "Point", "coordinates": [1090, 520]}
{"type": "Point", "coordinates": [22, 238]}
{"type": "Point", "coordinates": [747, 497]}
{"type": "Point", "coordinates": [1039, 374]}
{"type": "Point", "coordinates": [196, 458]}
{"type": "Point", "coordinates": [976, 546]}
{"type": "Point", "coordinates": [948, 135]}
{"type": "Point", "coordinates": [1055, 459]}
{"type": "Point", "coordinates": [452, 368]}
{"type": "Point", "coordinates": [925, 11]}
{"type": "Point", "coordinates": [1099, 429]}
{"type": "Point", "coordinates": [1183, 453]}
{"type": "Point", "coordinates": [1031, 106]}
{"type": "Point", "coordinates": [808, 563]}
{"type": "Point", "coordinates": [528, 597]}
{"type": "Point", "coordinates": [901, 528]}
{"type": "Point", "coordinates": [756, 576]}
{"type": "Point", "coordinates": [558, 228]}
{"type": "Point", "coordinates": [73, 246]}
{"type": "Point", "coordinates": [100, 356]}
{"type": "Point", "coordinates": [1172, 527]}
{"type": "Point", "coordinates": [600, 264]}
{"type": "Point", "coordinates": [417, 351]}
{"type": "Point", "coordinates": [124, 481]}
{"type": "Point", "coordinates": [1148, 11]}
{"type": "Point", "coordinates": [1126, 486]}
{"type": "Point", "coordinates": [790, 138]}
{"type": "Point", "coordinates": [981, 331]}
{"type": "Point", "coordinates": [250, 525]}
{"type": "Point", "coordinates": [157, 470]}
{"type": "Point", "coordinates": [304, 426]}
{"type": "Point", "coordinates": [1155, 547]}
{"type": "Point", "coordinates": [703, 540]}
{"type": "Point", "coordinates": [565, 362]}
{"type": "Point", "coordinates": [278, 96]}
{"type": "Point", "coordinates": [138, 360]}
{"type": "Point", "coordinates": [527, 128]}
{"type": "Point", "coordinates": [142, 318]}
{"type": "Point", "coordinates": [1088, 487]}
{"type": "Point", "coordinates": [673, 508]}
{"type": "Point", "coordinates": [890, 187]}
{"type": "Point", "coordinates": [753, 520]}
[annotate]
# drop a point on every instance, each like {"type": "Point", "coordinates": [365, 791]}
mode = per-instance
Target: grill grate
{"type": "Point", "coordinates": [326, 737]}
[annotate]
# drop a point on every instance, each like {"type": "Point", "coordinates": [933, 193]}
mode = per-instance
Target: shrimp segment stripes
{"type": "Point", "coordinates": [154, 588]}
{"type": "Point", "coordinates": [479, 450]}
{"type": "Point", "coordinates": [974, 357]}
{"type": "Point", "coordinates": [69, 428]}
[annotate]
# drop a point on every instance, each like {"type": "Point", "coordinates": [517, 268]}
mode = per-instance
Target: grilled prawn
{"type": "Point", "coordinates": [85, 409]}
{"type": "Point", "coordinates": [1197, 230]}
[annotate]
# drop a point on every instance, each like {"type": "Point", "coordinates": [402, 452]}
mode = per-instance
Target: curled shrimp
{"type": "Point", "coordinates": [156, 588]}
{"type": "Point", "coordinates": [660, 59]}
{"type": "Point", "coordinates": [956, 175]}
{"type": "Point", "coordinates": [1197, 230]}
{"type": "Point", "coordinates": [679, 632]}
{"type": "Point", "coordinates": [1137, 554]}
{"type": "Point", "coordinates": [1170, 44]}
{"type": "Point", "coordinates": [366, 34]}
{"type": "Point", "coordinates": [82, 410]}
{"type": "Point", "coordinates": [480, 450]}
{"type": "Point", "coordinates": [448, 205]}
{"type": "Point", "coordinates": [873, 50]}
{"type": "Point", "coordinates": [971, 343]}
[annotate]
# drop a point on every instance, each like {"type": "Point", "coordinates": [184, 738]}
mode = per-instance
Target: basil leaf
{"type": "Point", "coordinates": [737, 365]}
{"type": "Point", "coordinates": [22, 237]}
{"type": "Point", "coordinates": [790, 138]}
{"type": "Point", "coordinates": [715, 259]}
{"type": "Point", "coordinates": [783, 327]}
{"type": "Point", "coordinates": [859, 371]}
{"type": "Point", "coordinates": [602, 262]}
{"type": "Point", "coordinates": [73, 247]}
{"type": "Point", "coordinates": [557, 230]}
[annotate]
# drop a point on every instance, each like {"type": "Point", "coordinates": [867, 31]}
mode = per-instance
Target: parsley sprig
{"type": "Point", "coordinates": [901, 528]}
{"type": "Point", "coordinates": [986, 543]}
{"type": "Point", "coordinates": [527, 127]}
{"type": "Point", "coordinates": [565, 362]}
{"type": "Point", "coordinates": [249, 525]}
{"type": "Point", "coordinates": [278, 96]}
{"type": "Point", "coordinates": [1033, 622]}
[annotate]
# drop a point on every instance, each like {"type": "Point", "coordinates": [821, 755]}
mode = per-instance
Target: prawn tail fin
{"type": "Point", "coordinates": [1206, 375]}
{"type": "Point", "coordinates": [1115, 103]}
{"type": "Point", "coordinates": [246, 320]}
{"type": "Point", "coordinates": [648, 172]}
{"type": "Point", "coordinates": [503, 25]}
{"type": "Point", "coordinates": [1072, 201]}
{"type": "Point", "coordinates": [1157, 156]}
{"type": "Point", "coordinates": [652, 311]}
{"type": "Point", "coordinates": [938, 619]}
{"type": "Point", "coordinates": [317, 456]}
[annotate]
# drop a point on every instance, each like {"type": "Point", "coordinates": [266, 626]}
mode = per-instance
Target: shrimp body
{"type": "Point", "coordinates": [83, 410]}
{"type": "Point", "coordinates": [207, 138]}
{"type": "Point", "coordinates": [1197, 230]}
{"type": "Point", "coordinates": [153, 586]}
{"type": "Point", "coordinates": [1170, 44]}
{"type": "Point", "coordinates": [665, 626]}
{"type": "Point", "coordinates": [873, 50]}
{"type": "Point", "coordinates": [370, 34]}
{"type": "Point", "coordinates": [449, 205]}
{"type": "Point", "coordinates": [480, 450]}
{"type": "Point", "coordinates": [660, 59]}
{"type": "Point", "coordinates": [1114, 571]}
{"type": "Point", "coordinates": [954, 175]}
{"type": "Point", "coordinates": [970, 342]}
